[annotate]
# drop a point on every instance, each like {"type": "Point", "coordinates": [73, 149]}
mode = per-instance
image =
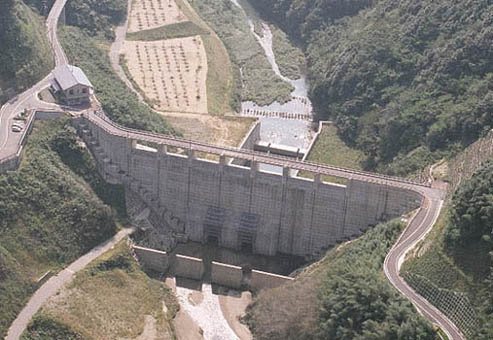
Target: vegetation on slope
{"type": "Point", "coordinates": [50, 213]}
{"type": "Point", "coordinates": [95, 17]}
{"type": "Point", "coordinates": [125, 297]}
{"type": "Point", "coordinates": [459, 265]}
{"type": "Point", "coordinates": [260, 84]}
{"type": "Point", "coordinates": [119, 102]}
{"type": "Point", "coordinates": [289, 57]}
{"type": "Point", "coordinates": [344, 296]}
{"type": "Point", "coordinates": [406, 80]}
{"type": "Point", "coordinates": [471, 217]}
{"type": "Point", "coordinates": [26, 56]}
{"type": "Point", "coordinates": [46, 328]}
{"type": "Point", "coordinates": [330, 149]}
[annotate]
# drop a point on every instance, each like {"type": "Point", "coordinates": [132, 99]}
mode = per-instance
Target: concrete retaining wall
{"type": "Point", "coordinates": [48, 115]}
{"type": "Point", "coordinates": [226, 275]}
{"type": "Point", "coordinates": [152, 259]}
{"type": "Point", "coordinates": [262, 280]}
{"type": "Point", "coordinates": [188, 267]}
{"type": "Point", "coordinates": [248, 143]}
{"type": "Point", "coordinates": [13, 161]}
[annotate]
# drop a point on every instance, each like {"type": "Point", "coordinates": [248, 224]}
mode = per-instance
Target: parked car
{"type": "Point", "coordinates": [16, 128]}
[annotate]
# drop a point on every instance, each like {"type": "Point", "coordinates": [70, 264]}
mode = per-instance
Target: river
{"type": "Point", "coordinates": [286, 124]}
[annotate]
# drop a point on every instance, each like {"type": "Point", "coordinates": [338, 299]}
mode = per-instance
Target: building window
{"type": "Point", "coordinates": [84, 90]}
{"type": "Point", "coordinates": [71, 92]}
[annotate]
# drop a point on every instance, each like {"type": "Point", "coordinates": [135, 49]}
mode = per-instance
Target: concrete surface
{"type": "Point", "coordinates": [188, 267]}
{"type": "Point", "coordinates": [226, 275]}
{"type": "Point", "coordinates": [240, 206]}
{"type": "Point", "coordinates": [152, 259]}
{"type": "Point", "coordinates": [262, 280]}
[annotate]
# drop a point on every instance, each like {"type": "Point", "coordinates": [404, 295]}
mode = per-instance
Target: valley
{"type": "Point", "coordinates": [200, 123]}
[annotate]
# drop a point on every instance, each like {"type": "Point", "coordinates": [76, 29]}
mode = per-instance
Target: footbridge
{"type": "Point", "coordinates": [242, 207]}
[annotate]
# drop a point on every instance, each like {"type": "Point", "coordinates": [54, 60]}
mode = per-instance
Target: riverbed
{"type": "Point", "coordinates": [288, 123]}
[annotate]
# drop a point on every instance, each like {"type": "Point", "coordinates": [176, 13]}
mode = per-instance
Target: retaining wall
{"type": "Point", "coordinates": [263, 280]}
{"type": "Point", "coordinates": [13, 161]}
{"type": "Point", "coordinates": [249, 142]}
{"type": "Point", "coordinates": [188, 267]}
{"type": "Point", "coordinates": [226, 275]}
{"type": "Point", "coordinates": [153, 259]}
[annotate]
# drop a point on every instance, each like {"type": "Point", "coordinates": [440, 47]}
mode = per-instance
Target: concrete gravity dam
{"type": "Point", "coordinates": [242, 207]}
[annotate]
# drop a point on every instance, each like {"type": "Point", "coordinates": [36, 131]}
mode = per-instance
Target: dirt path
{"type": "Point", "coordinates": [116, 47]}
{"type": "Point", "coordinates": [54, 284]}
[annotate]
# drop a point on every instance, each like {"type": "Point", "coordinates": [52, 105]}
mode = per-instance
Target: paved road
{"type": "Point", "coordinates": [9, 141]}
{"type": "Point", "coordinates": [419, 226]}
{"type": "Point", "coordinates": [51, 24]}
{"type": "Point", "coordinates": [54, 284]}
{"type": "Point", "coordinates": [120, 35]}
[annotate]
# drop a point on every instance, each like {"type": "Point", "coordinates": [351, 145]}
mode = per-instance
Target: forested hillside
{"type": "Point", "coordinates": [94, 16]}
{"type": "Point", "coordinates": [51, 212]}
{"type": "Point", "coordinates": [468, 240]}
{"type": "Point", "coordinates": [455, 261]}
{"type": "Point", "coordinates": [406, 81]}
{"type": "Point", "coordinates": [25, 56]}
{"type": "Point", "coordinates": [344, 296]}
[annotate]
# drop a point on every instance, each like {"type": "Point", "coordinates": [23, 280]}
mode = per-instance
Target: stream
{"type": "Point", "coordinates": [286, 124]}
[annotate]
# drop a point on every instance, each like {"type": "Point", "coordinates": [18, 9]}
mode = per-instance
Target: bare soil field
{"type": "Point", "coordinates": [210, 129]}
{"type": "Point", "coordinates": [171, 73]}
{"type": "Point", "coordinates": [150, 14]}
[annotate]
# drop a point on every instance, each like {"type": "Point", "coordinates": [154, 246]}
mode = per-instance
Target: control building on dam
{"type": "Point", "coordinates": [242, 207]}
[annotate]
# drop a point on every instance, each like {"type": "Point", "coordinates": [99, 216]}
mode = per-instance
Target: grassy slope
{"type": "Point", "coordinates": [343, 296]}
{"type": "Point", "coordinates": [26, 55]}
{"type": "Point", "coordinates": [108, 300]}
{"type": "Point", "coordinates": [260, 84]}
{"type": "Point", "coordinates": [330, 149]}
{"type": "Point", "coordinates": [49, 213]}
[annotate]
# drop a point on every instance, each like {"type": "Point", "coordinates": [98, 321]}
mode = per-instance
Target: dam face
{"type": "Point", "coordinates": [242, 207]}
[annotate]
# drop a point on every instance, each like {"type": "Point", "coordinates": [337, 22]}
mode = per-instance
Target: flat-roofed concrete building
{"type": "Point", "coordinates": [73, 85]}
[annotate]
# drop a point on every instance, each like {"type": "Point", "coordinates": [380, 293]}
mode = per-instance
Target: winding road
{"type": "Point", "coordinates": [418, 227]}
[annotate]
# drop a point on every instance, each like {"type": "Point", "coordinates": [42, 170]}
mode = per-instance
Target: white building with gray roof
{"type": "Point", "coordinates": [73, 85]}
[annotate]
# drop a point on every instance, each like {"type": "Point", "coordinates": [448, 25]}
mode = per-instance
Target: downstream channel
{"type": "Point", "coordinates": [289, 123]}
